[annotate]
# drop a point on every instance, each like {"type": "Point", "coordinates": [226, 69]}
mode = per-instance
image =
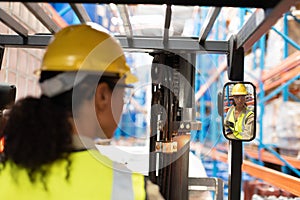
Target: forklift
{"type": "Point", "coordinates": [173, 83]}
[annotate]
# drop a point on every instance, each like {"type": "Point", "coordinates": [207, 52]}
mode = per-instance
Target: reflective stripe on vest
{"type": "Point", "coordinates": [122, 183]}
{"type": "Point", "coordinates": [239, 125]}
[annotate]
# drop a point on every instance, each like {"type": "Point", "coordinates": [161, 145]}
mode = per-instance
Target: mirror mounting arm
{"type": "Point", "coordinates": [235, 60]}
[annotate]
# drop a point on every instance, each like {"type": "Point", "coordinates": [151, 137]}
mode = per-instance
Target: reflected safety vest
{"type": "Point", "coordinates": [92, 176]}
{"type": "Point", "coordinates": [239, 125]}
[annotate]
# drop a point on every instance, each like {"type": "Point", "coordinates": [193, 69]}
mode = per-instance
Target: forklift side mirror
{"type": "Point", "coordinates": [239, 111]}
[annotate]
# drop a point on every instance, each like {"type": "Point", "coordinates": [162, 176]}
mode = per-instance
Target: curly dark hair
{"type": "Point", "coordinates": [38, 131]}
{"type": "Point", "coordinates": [36, 134]}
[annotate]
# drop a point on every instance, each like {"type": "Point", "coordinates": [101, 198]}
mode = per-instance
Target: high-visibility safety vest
{"type": "Point", "coordinates": [239, 124]}
{"type": "Point", "coordinates": [92, 176]}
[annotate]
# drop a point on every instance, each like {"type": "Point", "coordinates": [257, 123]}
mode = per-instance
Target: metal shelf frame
{"type": "Point", "coordinates": [282, 88]}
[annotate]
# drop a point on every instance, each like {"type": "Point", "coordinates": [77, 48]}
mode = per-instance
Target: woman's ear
{"type": "Point", "coordinates": [102, 96]}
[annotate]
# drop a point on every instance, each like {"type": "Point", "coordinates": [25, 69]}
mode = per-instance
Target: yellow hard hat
{"type": "Point", "coordinates": [81, 47]}
{"type": "Point", "coordinates": [239, 89]}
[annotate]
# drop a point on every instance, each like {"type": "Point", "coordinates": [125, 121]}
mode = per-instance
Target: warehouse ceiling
{"type": "Point", "coordinates": [156, 24]}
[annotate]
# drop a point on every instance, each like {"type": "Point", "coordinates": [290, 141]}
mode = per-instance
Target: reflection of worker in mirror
{"type": "Point", "coordinates": [239, 121]}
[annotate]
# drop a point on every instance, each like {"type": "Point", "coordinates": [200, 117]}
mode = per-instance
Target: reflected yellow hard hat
{"type": "Point", "coordinates": [239, 89]}
{"type": "Point", "coordinates": [81, 47]}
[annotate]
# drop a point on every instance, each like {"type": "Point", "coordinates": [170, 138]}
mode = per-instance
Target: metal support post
{"type": "Point", "coordinates": [285, 92]}
{"type": "Point", "coordinates": [235, 169]}
{"type": "Point", "coordinates": [235, 156]}
{"type": "Point", "coordinates": [202, 118]}
{"type": "Point", "coordinates": [285, 32]}
{"type": "Point", "coordinates": [261, 95]}
{"type": "Point", "coordinates": [1, 55]}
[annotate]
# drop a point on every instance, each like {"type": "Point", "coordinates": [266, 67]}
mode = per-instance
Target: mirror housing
{"type": "Point", "coordinates": [7, 96]}
{"type": "Point", "coordinates": [220, 103]}
{"type": "Point", "coordinates": [239, 111]}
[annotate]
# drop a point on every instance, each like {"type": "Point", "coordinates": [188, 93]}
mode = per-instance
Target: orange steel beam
{"type": "Point", "coordinates": [265, 156]}
{"type": "Point", "coordinates": [269, 157]}
{"type": "Point", "coordinates": [281, 73]}
{"type": "Point", "coordinates": [216, 155]}
{"type": "Point", "coordinates": [276, 178]}
{"type": "Point", "coordinates": [290, 62]}
{"type": "Point", "coordinates": [54, 15]}
{"type": "Point", "coordinates": [283, 78]}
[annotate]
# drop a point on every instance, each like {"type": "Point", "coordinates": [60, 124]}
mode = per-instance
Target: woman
{"type": "Point", "coordinates": [49, 148]}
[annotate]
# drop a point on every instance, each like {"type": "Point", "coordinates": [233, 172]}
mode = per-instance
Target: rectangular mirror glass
{"type": "Point", "coordinates": [239, 111]}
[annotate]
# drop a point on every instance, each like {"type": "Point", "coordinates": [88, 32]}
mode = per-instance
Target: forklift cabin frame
{"type": "Point", "coordinates": [257, 25]}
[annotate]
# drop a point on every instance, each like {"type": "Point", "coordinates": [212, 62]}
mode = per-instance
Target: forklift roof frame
{"type": "Point", "coordinates": [257, 25]}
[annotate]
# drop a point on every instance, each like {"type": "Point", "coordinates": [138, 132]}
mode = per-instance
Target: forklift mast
{"type": "Point", "coordinates": [172, 119]}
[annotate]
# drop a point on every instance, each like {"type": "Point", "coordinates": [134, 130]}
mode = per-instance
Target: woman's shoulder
{"type": "Point", "coordinates": [93, 156]}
